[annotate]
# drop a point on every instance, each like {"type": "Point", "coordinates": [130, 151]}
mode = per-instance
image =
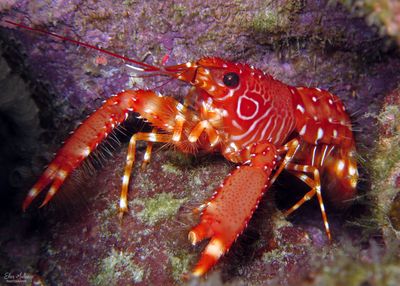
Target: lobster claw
{"type": "Point", "coordinates": [226, 215]}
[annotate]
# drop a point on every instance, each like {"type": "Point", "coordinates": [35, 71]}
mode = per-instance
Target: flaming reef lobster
{"type": "Point", "coordinates": [251, 118]}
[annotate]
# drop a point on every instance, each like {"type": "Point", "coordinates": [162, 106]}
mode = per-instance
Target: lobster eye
{"type": "Point", "coordinates": [231, 79]}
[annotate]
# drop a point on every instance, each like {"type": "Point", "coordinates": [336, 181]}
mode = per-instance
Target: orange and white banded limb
{"type": "Point", "coordinates": [300, 172]}
{"type": "Point", "coordinates": [204, 126]}
{"type": "Point", "coordinates": [148, 152]}
{"type": "Point", "coordinates": [289, 149]}
{"type": "Point", "coordinates": [159, 111]}
{"type": "Point", "coordinates": [130, 160]}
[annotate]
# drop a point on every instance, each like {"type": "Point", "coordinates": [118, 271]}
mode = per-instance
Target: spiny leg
{"type": "Point", "coordinates": [130, 160]}
{"type": "Point", "coordinates": [83, 141]}
{"type": "Point", "coordinates": [161, 112]}
{"type": "Point", "coordinates": [315, 185]}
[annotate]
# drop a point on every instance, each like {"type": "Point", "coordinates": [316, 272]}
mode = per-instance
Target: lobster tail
{"type": "Point", "coordinates": [341, 176]}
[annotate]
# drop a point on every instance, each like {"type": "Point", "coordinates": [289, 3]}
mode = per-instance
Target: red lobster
{"type": "Point", "coordinates": [251, 118]}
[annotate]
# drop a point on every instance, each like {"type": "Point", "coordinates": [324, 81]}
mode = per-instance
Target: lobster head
{"type": "Point", "coordinates": [239, 89]}
{"type": "Point", "coordinates": [219, 78]}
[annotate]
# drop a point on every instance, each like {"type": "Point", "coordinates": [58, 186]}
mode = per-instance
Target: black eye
{"type": "Point", "coordinates": [231, 79]}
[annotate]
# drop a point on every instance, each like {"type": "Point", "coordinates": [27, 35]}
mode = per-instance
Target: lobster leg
{"type": "Point", "coordinates": [173, 118]}
{"type": "Point", "coordinates": [290, 148]}
{"type": "Point", "coordinates": [149, 149]}
{"type": "Point", "coordinates": [315, 185]}
{"type": "Point", "coordinates": [130, 160]}
{"type": "Point", "coordinates": [204, 126]}
{"type": "Point", "coordinates": [226, 215]}
{"type": "Point", "coordinates": [159, 111]}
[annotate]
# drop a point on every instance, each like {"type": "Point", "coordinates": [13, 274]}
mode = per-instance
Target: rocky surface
{"type": "Point", "coordinates": [381, 13]}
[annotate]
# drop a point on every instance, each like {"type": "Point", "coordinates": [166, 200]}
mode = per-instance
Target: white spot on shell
{"type": "Point", "coordinates": [320, 133]}
{"type": "Point", "coordinates": [300, 108]}
{"type": "Point", "coordinates": [303, 130]}
{"type": "Point", "coordinates": [352, 171]}
{"type": "Point", "coordinates": [180, 107]}
{"type": "Point", "coordinates": [340, 165]}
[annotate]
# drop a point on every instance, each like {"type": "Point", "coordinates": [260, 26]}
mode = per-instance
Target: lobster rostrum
{"type": "Point", "coordinates": [252, 119]}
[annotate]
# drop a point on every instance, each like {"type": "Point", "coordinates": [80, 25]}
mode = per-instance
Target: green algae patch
{"type": "Point", "coordinates": [117, 266]}
{"type": "Point", "coordinates": [161, 207]}
{"type": "Point", "coordinates": [388, 149]}
{"type": "Point", "coordinates": [381, 13]}
{"type": "Point", "coordinates": [106, 218]}
{"type": "Point", "coordinates": [275, 19]}
{"type": "Point", "coordinates": [345, 268]}
{"type": "Point", "coordinates": [171, 169]}
{"type": "Point", "coordinates": [384, 167]}
{"type": "Point", "coordinates": [387, 153]}
{"type": "Point", "coordinates": [276, 255]}
{"type": "Point", "coordinates": [181, 264]}
{"type": "Point", "coordinates": [269, 22]}
{"type": "Point", "coordinates": [265, 22]}
{"type": "Point", "coordinates": [144, 182]}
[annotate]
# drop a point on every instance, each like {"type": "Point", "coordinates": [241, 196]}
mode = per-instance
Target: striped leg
{"type": "Point", "coordinates": [315, 184]}
{"type": "Point", "coordinates": [290, 149]}
{"type": "Point", "coordinates": [204, 126]}
{"type": "Point", "coordinates": [149, 149]}
{"type": "Point", "coordinates": [130, 160]}
{"type": "Point", "coordinates": [147, 154]}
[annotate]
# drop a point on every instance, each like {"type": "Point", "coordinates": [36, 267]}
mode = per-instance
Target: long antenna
{"type": "Point", "coordinates": [144, 65]}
